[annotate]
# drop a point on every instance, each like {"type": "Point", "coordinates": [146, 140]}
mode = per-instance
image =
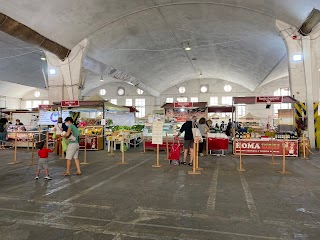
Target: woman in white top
{"type": "Point", "coordinates": [58, 130]}
{"type": "Point", "coordinates": [203, 130]}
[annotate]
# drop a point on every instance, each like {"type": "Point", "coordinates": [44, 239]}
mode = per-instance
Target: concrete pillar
{"type": "Point", "coordinates": [304, 74]}
{"type": "Point", "coordinates": [295, 69]}
{"type": "Point", "coordinates": [310, 85]}
{"type": "Point", "coordinates": [65, 77]}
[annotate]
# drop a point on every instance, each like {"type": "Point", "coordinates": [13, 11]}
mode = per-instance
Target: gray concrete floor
{"type": "Point", "coordinates": [137, 201]}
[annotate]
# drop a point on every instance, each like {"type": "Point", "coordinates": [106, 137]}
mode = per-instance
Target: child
{"type": "Point", "coordinates": [43, 160]}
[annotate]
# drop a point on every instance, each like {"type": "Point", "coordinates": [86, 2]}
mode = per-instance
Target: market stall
{"type": "Point", "coordinates": [255, 139]}
{"type": "Point", "coordinates": [217, 140]}
{"type": "Point", "coordinates": [174, 116]}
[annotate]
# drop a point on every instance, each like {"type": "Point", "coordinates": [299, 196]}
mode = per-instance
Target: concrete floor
{"type": "Point", "coordinates": [136, 201]}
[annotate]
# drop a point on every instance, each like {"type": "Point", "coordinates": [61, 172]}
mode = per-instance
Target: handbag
{"type": "Point", "coordinates": [197, 136]}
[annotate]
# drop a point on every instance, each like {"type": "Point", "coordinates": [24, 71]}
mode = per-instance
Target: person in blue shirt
{"type": "Point", "coordinates": [72, 135]}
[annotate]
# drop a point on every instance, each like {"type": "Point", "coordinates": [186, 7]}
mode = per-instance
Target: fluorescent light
{"type": "Point", "coordinates": [182, 110]}
{"type": "Point", "coordinates": [187, 48]}
{"type": "Point", "coordinates": [52, 71]}
{"type": "Point", "coordinates": [43, 58]}
{"type": "Point", "coordinates": [297, 57]}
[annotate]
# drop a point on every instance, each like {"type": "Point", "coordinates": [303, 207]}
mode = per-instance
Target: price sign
{"type": "Point", "coordinates": [157, 129]}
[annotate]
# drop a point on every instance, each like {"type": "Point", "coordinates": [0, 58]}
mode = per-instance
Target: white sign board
{"type": "Point", "coordinates": [51, 117]}
{"type": "Point", "coordinates": [157, 132]}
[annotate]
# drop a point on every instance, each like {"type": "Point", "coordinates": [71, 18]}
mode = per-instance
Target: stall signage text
{"type": "Point", "coordinates": [183, 104]}
{"type": "Point", "coordinates": [70, 103]}
{"type": "Point", "coordinates": [261, 147]}
{"type": "Point", "coordinates": [270, 99]}
{"type": "Point", "coordinates": [45, 107]}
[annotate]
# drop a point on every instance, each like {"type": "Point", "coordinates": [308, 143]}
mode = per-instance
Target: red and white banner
{"type": "Point", "coordinates": [269, 99]}
{"type": "Point", "coordinates": [45, 107]}
{"type": "Point", "coordinates": [70, 103]}
{"type": "Point", "coordinates": [265, 147]}
{"type": "Point", "coordinates": [183, 104]}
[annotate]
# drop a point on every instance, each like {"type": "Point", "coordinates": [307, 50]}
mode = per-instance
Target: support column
{"type": "Point", "coordinates": [307, 59]}
{"type": "Point", "coordinates": [65, 77]}
{"type": "Point", "coordinates": [303, 75]}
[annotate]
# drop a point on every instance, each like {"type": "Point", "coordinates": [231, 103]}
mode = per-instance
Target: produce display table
{"type": "Point", "coordinates": [266, 146]}
{"type": "Point", "coordinates": [149, 146]}
{"type": "Point", "coordinates": [218, 144]}
{"type": "Point", "coordinates": [93, 142]}
{"type": "Point", "coordinates": [129, 137]}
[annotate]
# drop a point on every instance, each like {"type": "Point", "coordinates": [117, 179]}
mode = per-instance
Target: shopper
{"type": "Point", "coordinates": [57, 133]}
{"type": "Point", "coordinates": [3, 130]}
{"type": "Point", "coordinates": [222, 126]}
{"type": "Point", "coordinates": [188, 140]}
{"type": "Point", "coordinates": [43, 154]}
{"type": "Point", "coordinates": [203, 130]}
{"type": "Point", "coordinates": [19, 123]}
{"type": "Point", "coordinates": [228, 130]}
{"type": "Point", "coordinates": [209, 123]}
{"type": "Point", "coordinates": [72, 136]}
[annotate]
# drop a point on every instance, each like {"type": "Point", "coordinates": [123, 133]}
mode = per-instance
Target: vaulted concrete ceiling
{"type": "Point", "coordinates": [232, 40]}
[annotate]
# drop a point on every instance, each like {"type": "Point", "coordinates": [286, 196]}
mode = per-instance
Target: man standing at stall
{"type": "Point", "coordinates": [188, 140]}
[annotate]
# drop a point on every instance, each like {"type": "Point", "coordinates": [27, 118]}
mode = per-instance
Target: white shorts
{"type": "Point", "coordinates": [72, 151]}
{"type": "Point", "coordinates": [43, 163]}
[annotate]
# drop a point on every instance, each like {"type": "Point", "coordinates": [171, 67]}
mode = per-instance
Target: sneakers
{"type": "Point", "coordinates": [48, 177]}
{"type": "Point", "coordinates": [190, 164]}
{"type": "Point", "coordinates": [201, 154]}
{"type": "Point", "coordinates": [36, 178]}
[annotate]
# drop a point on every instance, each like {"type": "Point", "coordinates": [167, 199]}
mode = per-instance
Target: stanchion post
{"type": "Point", "coordinates": [32, 152]}
{"type": "Point", "coordinates": [157, 165]}
{"type": "Point", "coordinates": [15, 149]}
{"type": "Point", "coordinates": [194, 170]}
{"type": "Point", "coordinates": [28, 140]}
{"type": "Point", "coordinates": [47, 139]}
{"type": "Point", "coordinates": [283, 171]}
{"type": "Point", "coordinates": [39, 136]}
{"type": "Point", "coordinates": [272, 154]}
{"type": "Point", "coordinates": [207, 145]}
{"type": "Point", "coordinates": [144, 144]}
{"type": "Point", "coordinates": [240, 169]}
{"type": "Point", "coordinates": [197, 158]}
{"type": "Point", "coordinates": [85, 150]}
{"type": "Point", "coordinates": [167, 146]}
{"type": "Point", "coordinates": [122, 153]}
{"type": "Point", "coordinates": [304, 146]}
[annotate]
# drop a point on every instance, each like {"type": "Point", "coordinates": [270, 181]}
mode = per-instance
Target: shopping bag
{"type": "Point", "coordinates": [54, 136]}
{"type": "Point", "coordinates": [174, 153]}
{"type": "Point", "coordinates": [197, 134]}
{"type": "Point", "coordinates": [64, 143]}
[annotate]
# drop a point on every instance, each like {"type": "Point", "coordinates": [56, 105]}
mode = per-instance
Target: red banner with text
{"type": "Point", "coordinates": [266, 147]}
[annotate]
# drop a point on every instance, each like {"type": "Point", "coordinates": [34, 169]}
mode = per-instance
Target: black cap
{"type": "Point", "coordinates": [69, 119]}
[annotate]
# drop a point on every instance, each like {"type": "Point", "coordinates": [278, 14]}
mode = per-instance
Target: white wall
{"type": "Point", "coordinates": [130, 92]}
{"type": "Point", "coordinates": [10, 103]}
{"type": "Point", "coordinates": [193, 90]}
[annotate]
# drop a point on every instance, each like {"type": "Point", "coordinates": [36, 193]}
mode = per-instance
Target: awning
{"type": "Point", "coordinates": [221, 109]}
{"type": "Point", "coordinates": [252, 100]}
{"type": "Point", "coordinates": [195, 105]}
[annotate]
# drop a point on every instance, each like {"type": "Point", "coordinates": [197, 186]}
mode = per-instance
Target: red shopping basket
{"type": "Point", "coordinates": [174, 153]}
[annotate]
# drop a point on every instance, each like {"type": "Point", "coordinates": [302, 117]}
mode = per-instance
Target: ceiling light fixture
{"type": "Point", "coordinates": [52, 71]}
{"type": "Point", "coordinates": [187, 47]}
{"type": "Point", "coordinates": [101, 79]}
{"type": "Point", "coordinates": [43, 58]}
{"type": "Point", "coordinates": [297, 57]}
